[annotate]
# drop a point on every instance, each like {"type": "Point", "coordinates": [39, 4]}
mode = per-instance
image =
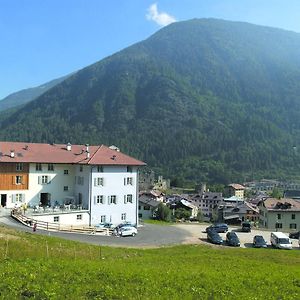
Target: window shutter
{"type": "Point", "coordinates": [39, 179]}
{"type": "Point", "coordinates": [132, 181]}
{"type": "Point", "coordinates": [125, 199]}
{"type": "Point", "coordinates": [13, 198]}
{"type": "Point", "coordinates": [23, 197]}
{"type": "Point", "coordinates": [125, 181]}
{"type": "Point", "coordinates": [116, 199]}
{"type": "Point", "coordinates": [95, 181]}
{"type": "Point", "coordinates": [14, 180]}
{"type": "Point", "coordinates": [108, 199]}
{"type": "Point", "coordinates": [95, 199]}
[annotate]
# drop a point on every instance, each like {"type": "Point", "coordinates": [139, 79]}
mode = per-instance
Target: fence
{"type": "Point", "coordinates": [30, 222]}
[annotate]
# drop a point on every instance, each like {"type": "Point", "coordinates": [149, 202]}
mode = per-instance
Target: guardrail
{"type": "Point", "coordinates": [38, 224]}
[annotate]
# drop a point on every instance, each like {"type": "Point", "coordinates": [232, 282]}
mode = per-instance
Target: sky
{"type": "Point", "coordinates": [45, 39]}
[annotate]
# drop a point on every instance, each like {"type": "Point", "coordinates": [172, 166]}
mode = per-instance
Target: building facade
{"type": "Point", "coordinates": [281, 215]}
{"type": "Point", "coordinates": [99, 179]}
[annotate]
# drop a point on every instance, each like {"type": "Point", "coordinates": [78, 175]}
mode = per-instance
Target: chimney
{"type": "Point", "coordinates": [12, 153]}
{"type": "Point", "coordinates": [69, 147]}
{"type": "Point", "coordinates": [87, 148]}
{"type": "Point", "coordinates": [88, 155]}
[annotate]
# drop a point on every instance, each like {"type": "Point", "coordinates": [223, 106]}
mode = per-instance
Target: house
{"type": "Point", "coordinates": [207, 202]}
{"type": "Point", "coordinates": [148, 201]}
{"type": "Point", "coordinates": [282, 215]}
{"type": "Point", "coordinates": [238, 212]}
{"type": "Point", "coordinates": [100, 182]}
{"type": "Point", "coordinates": [235, 189]}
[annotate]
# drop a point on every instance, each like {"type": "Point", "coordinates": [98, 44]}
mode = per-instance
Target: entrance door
{"type": "Point", "coordinates": [3, 200]}
{"type": "Point", "coordinates": [45, 199]}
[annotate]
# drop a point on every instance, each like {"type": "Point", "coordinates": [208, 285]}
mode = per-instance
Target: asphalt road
{"type": "Point", "coordinates": [149, 236]}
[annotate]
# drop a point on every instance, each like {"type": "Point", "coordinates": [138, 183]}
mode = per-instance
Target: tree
{"type": "Point", "coordinates": [163, 213]}
{"type": "Point", "coordinates": [276, 193]}
{"type": "Point", "coordinates": [182, 213]}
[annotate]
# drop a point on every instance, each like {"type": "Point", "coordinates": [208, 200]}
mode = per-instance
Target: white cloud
{"type": "Point", "coordinates": [160, 18]}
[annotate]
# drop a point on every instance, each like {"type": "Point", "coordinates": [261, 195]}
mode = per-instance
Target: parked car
{"type": "Point", "coordinates": [246, 227]}
{"type": "Point", "coordinates": [294, 235]}
{"type": "Point", "coordinates": [128, 231]}
{"type": "Point", "coordinates": [232, 239]}
{"type": "Point", "coordinates": [259, 242]}
{"type": "Point", "coordinates": [218, 227]}
{"type": "Point", "coordinates": [214, 237]}
{"type": "Point", "coordinates": [104, 225]}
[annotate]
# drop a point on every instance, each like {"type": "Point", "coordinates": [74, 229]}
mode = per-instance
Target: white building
{"type": "Point", "coordinates": [99, 180]}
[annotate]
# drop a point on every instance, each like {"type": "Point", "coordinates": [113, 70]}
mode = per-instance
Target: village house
{"type": "Point", "coordinates": [74, 184]}
{"type": "Point", "coordinates": [148, 201]}
{"type": "Point", "coordinates": [280, 214]}
{"type": "Point", "coordinates": [235, 189]}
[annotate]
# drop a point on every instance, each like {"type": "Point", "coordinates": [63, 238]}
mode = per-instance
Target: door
{"type": "Point", "coordinates": [3, 200]}
{"type": "Point", "coordinates": [45, 199]}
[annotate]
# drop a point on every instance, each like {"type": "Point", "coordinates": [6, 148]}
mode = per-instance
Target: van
{"type": "Point", "coordinates": [246, 227]}
{"type": "Point", "coordinates": [218, 228]}
{"type": "Point", "coordinates": [280, 240]}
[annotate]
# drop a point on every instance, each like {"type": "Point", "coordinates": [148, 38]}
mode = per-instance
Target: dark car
{"type": "Point", "coordinates": [294, 235]}
{"type": "Point", "coordinates": [232, 239]}
{"type": "Point", "coordinates": [246, 227]}
{"type": "Point", "coordinates": [218, 227]}
{"type": "Point", "coordinates": [214, 237]}
{"type": "Point", "coordinates": [259, 242]}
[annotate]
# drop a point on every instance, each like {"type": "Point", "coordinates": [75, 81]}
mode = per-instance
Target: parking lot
{"type": "Point", "coordinates": [197, 235]}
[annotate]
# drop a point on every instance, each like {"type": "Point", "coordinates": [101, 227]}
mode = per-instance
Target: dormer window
{"type": "Point", "coordinates": [19, 167]}
{"type": "Point", "coordinates": [38, 167]}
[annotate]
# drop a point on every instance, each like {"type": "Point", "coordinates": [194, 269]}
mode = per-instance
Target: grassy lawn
{"type": "Point", "coordinates": [40, 267]}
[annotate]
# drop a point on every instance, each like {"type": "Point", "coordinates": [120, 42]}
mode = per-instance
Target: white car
{"type": "Point", "coordinates": [127, 231]}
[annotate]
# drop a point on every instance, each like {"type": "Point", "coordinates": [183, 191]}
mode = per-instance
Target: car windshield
{"type": "Point", "coordinates": [283, 241]}
{"type": "Point", "coordinates": [260, 239]}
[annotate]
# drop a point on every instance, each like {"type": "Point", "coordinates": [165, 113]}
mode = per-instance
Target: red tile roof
{"type": "Point", "coordinates": [58, 153]}
{"type": "Point", "coordinates": [280, 204]}
{"type": "Point", "coordinates": [236, 186]}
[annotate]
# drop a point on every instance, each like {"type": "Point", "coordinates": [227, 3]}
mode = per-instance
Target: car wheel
{"type": "Point", "coordinates": [133, 234]}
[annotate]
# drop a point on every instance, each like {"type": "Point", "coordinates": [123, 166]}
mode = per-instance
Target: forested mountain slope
{"type": "Point", "coordinates": [203, 99]}
{"type": "Point", "coordinates": [27, 95]}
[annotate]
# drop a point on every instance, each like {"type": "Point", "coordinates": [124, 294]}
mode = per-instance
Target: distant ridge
{"type": "Point", "coordinates": [24, 96]}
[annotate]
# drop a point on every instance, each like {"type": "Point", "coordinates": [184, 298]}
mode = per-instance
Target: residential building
{"type": "Point", "coordinates": [235, 189]}
{"type": "Point", "coordinates": [99, 180]}
{"type": "Point", "coordinates": [281, 215]}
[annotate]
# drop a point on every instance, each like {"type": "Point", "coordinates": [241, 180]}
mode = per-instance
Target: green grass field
{"type": "Point", "coordinates": [42, 267]}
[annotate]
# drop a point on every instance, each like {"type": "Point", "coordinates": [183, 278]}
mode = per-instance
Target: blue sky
{"type": "Point", "coordinates": [44, 39]}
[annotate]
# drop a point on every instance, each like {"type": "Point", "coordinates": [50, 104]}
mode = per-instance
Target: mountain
{"type": "Point", "coordinates": [200, 100]}
{"type": "Point", "coordinates": [27, 95]}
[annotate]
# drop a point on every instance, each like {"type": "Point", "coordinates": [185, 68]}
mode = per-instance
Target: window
{"type": "Point", "coordinates": [38, 167]}
{"type": "Point", "coordinates": [293, 226]}
{"type": "Point", "coordinates": [99, 169]}
{"type": "Point", "coordinates": [139, 207]}
{"type": "Point", "coordinates": [279, 216]}
{"type": "Point", "coordinates": [66, 172]}
{"type": "Point", "coordinates": [66, 188]}
{"type": "Point", "coordinates": [293, 216]}
{"type": "Point", "coordinates": [19, 167]}
{"type": "Point", "coordinates": [123, 217]}
{"type": "Point", "coordinates": [129, 169]}
{"type": "Point", "coordinates": [146, 207]}
{"type": "Point", "coordinates": [128, 198]}
{"type": "Point", "coordinates": [99, 199]}
{"type": "Point", "coordinates": [98, 181]}
{"type": "Point", "coordinates": [19, 179]}
{"type": "Point", "coordinates": [80, 169]}
{"type": "Point", "coordinates": [56, 219]}
{"type": "Point", "coordinates": [79, 217]}
{"type": "Point", "coordinates": [112, 199]}
{"type": "Point", "coordinates": [140, 215]}
{"type": "Point", "coordinates": [278, 225]}
{"type": "Point", "coordinates": [44, 179]}
{"type": "Point", "coordinates": [18, 198]}
{"type": "Point", "coordinates": [103, 219]}
{"type": "Point", "coordinates": [128, 181]}
{"type": "Point", "coordinates": [80, 180]}
{"type": "Point", "coordinates": [50, 167]}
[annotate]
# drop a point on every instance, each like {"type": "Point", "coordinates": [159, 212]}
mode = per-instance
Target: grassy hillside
{"type": "Point", "coordinates": [205, 99]}
{"type": "Point", "coordinates": [39, 267]}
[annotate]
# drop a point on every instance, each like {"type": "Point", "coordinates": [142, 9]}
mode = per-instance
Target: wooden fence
{"type": "Point", "coordinates": [30, 222]}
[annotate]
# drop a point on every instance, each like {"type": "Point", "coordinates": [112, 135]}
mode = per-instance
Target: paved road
{"type": "Point", "coordinates": [149, 235]}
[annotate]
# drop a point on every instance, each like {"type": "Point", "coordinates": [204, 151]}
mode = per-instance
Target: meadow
{"type": "Point", "coordinates": [33, 266]}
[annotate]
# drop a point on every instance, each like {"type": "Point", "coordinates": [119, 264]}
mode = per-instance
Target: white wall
{"type": "Point", "coordinates": [65, 218]}
{"type": "Point", "coordinates": [113, 184]}
{"type": "Point", "coordinates": [82, 187]}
